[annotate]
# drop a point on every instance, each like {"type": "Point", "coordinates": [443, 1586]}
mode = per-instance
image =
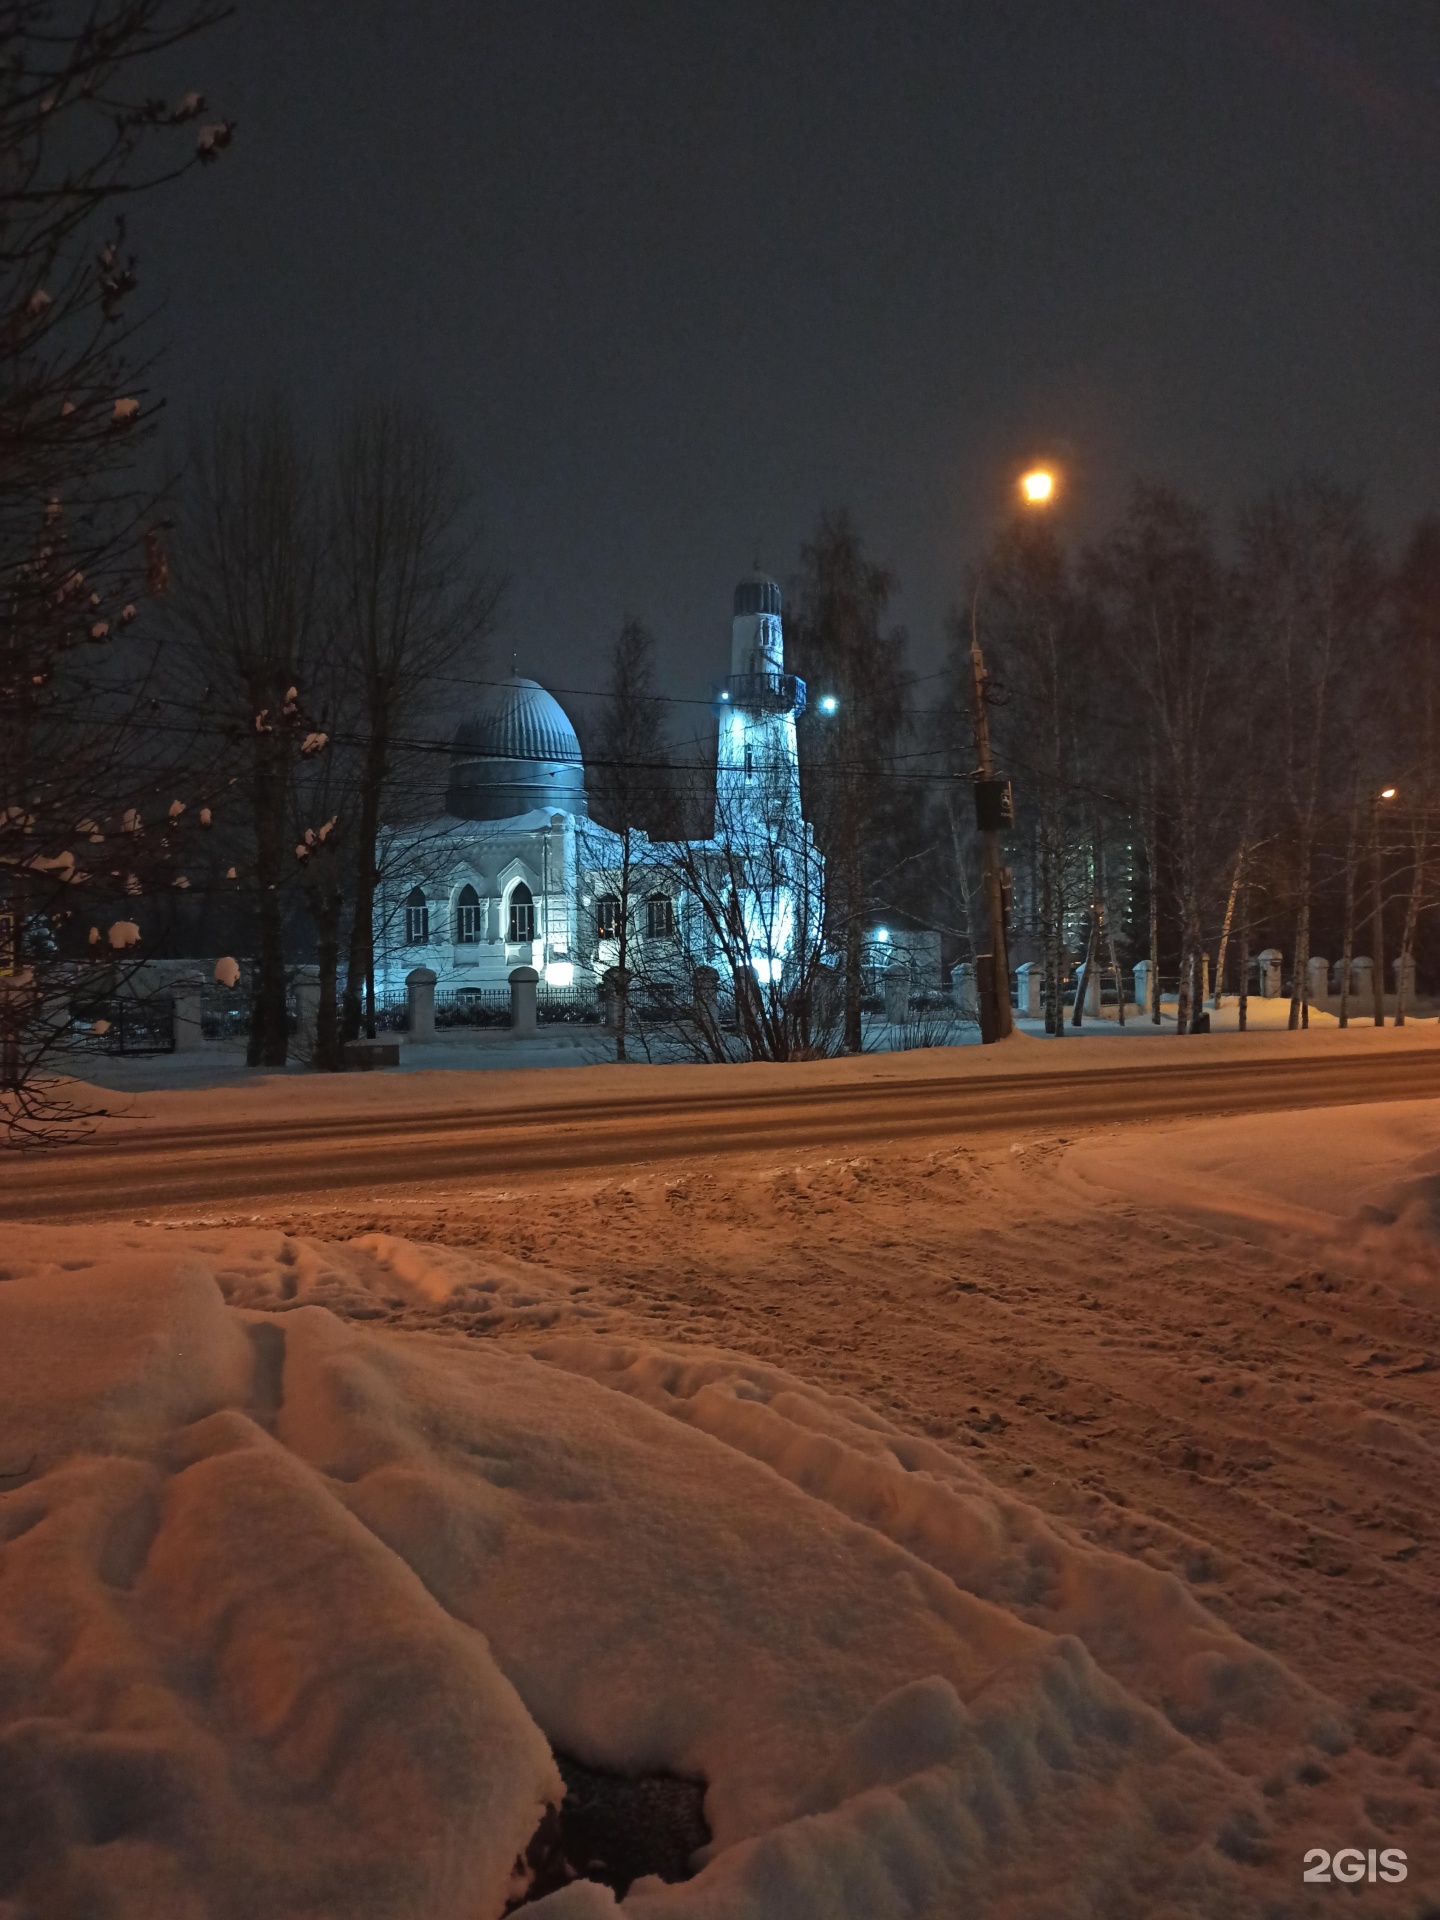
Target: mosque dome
{"type": "Point", "coordinates": [517, 751]}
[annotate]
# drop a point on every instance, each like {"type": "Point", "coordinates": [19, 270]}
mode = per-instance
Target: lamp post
{"type": "Point", "coordinates": [1377, 909]}
{"type": "Point", "coordinates": [993, 809]}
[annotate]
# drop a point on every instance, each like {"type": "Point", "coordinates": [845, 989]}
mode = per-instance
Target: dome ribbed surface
{"type": "Point", "coordinates": [519, 720]}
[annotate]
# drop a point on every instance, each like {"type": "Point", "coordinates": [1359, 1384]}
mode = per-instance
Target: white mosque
{"type": "Point", "coordinates": [517, 874]}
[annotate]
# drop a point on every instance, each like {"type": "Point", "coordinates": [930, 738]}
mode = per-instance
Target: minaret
{"type": "Point", "coordinates": [757, 784]}
{"type": "Point", "coordinates": [757, 777]}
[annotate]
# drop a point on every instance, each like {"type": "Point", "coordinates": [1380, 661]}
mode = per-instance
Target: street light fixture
{"type": "Point", "coordinates": [828, 703]}
{"type": "Point", "coordinates": [1037, 487]}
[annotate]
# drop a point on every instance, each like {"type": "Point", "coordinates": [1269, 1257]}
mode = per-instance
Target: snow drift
{"type": "Point", "coordinates": [293, 1612]}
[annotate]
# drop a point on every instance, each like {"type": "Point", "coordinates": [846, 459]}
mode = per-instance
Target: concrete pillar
{"type": "Point", "coordinates": [967, 992]}
{"type": "Point", "coordinates": [523, 982]}
{"type": "Point", "coordinates": [1361, 972]}
{"type": "Point", "coordinates": [616, 981]}
{"type": "Point", "coordinates": [420, 1005]}
{"type": "Point", "coordinates": [1269, 963]}
{"type": "Point", "coordinates": [1317, 982]}
{"type": "Point", "coordinates": [307, 1008]}
{"type": "Point", "coordinates": [897, 992]}
{"type": "Point", "coordinates": [186, 995]}
{"type": "Point", "coordinates": [829, 998]}
{"type": "Point", "coordinates": [705, 984]}
{"type": "Point", "coordinates": [1029, 980]}
{"type": "Point", "coordinates": [1144, 987]}
{"type": "Point", "coordinates": [1395, 972]}
{"type": "Point", "coordinates": [1094, 979]}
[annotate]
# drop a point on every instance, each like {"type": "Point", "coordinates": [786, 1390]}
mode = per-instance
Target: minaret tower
{"type": "Point", "coordinates": [757, 783]}
{"type": "Point", "coordinates": [757, 787]}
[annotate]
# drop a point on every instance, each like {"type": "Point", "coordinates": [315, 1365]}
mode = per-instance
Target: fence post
{"type": "Point", "coordinates": [307, 1008]}
{"type": "Point", "coordinates": [897, 992]}
{"type": "Point", "coordinates": [523, 982]}
{"type": "Point", "coordinates": [420, 1004]}
{"type": "Point", "coordinates": [185, 998]}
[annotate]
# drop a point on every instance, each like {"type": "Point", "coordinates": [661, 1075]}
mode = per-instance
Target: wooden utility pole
{"type": "Point", "coordinates": [987, 807]}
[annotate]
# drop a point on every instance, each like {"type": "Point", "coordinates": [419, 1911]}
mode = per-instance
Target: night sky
{"type": "Point", "coordinates": [680, 273]}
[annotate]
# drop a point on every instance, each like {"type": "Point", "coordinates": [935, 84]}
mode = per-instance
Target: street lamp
{"type": "Point", "coordinates": [993, 806]}
{"type": "Point", "coordinates": [828, 703]}
{"type": "Point", "coordinates": [1377, 911]}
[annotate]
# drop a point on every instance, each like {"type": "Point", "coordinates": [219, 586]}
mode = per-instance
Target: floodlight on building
{"type": "Point", "coordinates": [1037, 487]}
{"type": "Point", "coordinates": [560, 973]}
{"type": "Point", "coordinates": [882, 934]}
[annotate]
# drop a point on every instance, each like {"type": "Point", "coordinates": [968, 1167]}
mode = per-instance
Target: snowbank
{"type": "Point", "coordinates": [292, 1612]}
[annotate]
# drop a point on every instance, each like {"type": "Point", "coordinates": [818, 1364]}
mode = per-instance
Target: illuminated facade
{"type": "Point", "coordinates": [517, 873]}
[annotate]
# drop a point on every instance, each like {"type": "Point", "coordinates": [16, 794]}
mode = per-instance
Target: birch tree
{"type": "Point", "coordinates": [1162, 589]}
{"type": "Point", "coordinates": [1310, 581]}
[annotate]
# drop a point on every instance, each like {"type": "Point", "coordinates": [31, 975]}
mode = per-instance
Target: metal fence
{"type": "Point", "coordinates": [123, 1025]}
{"type": "Point", "coordinates": [490, 1007]}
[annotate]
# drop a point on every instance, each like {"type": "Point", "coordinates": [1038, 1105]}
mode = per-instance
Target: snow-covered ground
{"type": "Point", "coordinates": [1032, 1528]}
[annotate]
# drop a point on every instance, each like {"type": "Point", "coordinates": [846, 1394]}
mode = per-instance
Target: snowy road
{"type": "Point", "coordinates": [158, 1165]}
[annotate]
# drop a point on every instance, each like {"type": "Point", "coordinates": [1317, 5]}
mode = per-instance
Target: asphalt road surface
{"type": "Point", "coordinates": [158, 1166]}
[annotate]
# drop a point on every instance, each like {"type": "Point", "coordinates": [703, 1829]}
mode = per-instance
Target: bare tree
{"type": "Point", "coordinates": [631, 790]}
{"type": "Point", "coordinates": [1310, 583]}
{"type": "Point", "coordinates": [844, 649]}
{"type": "Point", "coordinates": [1162, 589]}
{"type": "Point", "coordinates": [1026, 609]}
{"type": "Point", "coordinates": [1415, 641]}
{"type": "Point", "coordinates": [251, 617]}
{"type": "Point", "coordinates": [80, 761]}
{"type": "Point", "coordinates": [409, 607]}
{"type": "Point", "coordinates": [750, 918]}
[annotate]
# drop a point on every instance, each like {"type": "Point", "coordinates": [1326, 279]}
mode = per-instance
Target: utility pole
{"type": "Point", "coordinates": [991, 810]}
{"type": "Point", "coordinates": [1377, 908]}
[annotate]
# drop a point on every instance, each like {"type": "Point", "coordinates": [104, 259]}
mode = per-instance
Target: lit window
{"type": "Point", "coordinates": [417, 918]}
{"type": "Point", "coordinates": [659, 916]}
{"type": "Point", "coordinates": [467, 917]}
{"type": "Point", "coordinates": [522, 914]}
{"type": "Point", "coordinates": [607, 917]}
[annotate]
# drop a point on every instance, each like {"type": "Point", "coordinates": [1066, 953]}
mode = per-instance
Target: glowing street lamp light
{"type": "Point", "coordinates": [828, 703]}
{"type": "Point", "coordinates": [1387, 793]}
{"type": "Point", "coordinates": [1037, 487]}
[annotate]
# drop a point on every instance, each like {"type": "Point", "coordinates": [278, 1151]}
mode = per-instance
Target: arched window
{"type": "Point", "coordinates": [467, 917]}
{"type": "Point", "coordinates": [522, 914]}
{"type": "Point", "coordinates": [607, 916]}
{"type": "Point", "coordinates": [417, 918]}
{"type": "Point", "coordinates": [659, 916]}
